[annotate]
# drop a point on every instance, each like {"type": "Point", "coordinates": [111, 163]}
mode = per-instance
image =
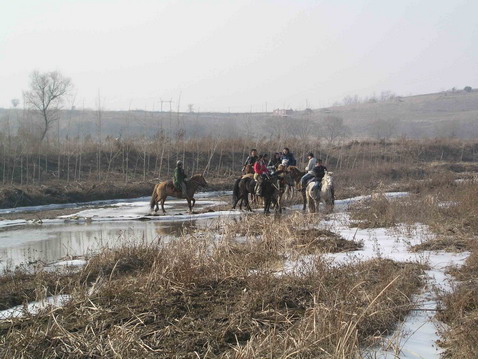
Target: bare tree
{"type": "Point", "coordinates": [47, 93]}
{"type": "Point", "coordinates": [383, 128]}
{"type": "Point", "coordinates": [334, 128]}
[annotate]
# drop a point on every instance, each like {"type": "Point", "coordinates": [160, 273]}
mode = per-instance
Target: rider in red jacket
{"type": "Point", "coordinates": [260, 171]}
{"type": "Point", "coordinates": [260, 166]}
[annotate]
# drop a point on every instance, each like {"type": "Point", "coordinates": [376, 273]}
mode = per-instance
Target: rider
{"type": "Point", "coordinates": [289, 156]}
{"type": "Point", "coordinates": [309, 169]}
{"type": "Point", "coordinates": [260, 172]}
{"type": "Point", "coordinates": [251, 159]}
{"type": "Point", "coordinates": [319, 173]}
{"type": "Point", "coordinates": [274, 162]}
{"type": "Point", "coordinates": [179, 178]}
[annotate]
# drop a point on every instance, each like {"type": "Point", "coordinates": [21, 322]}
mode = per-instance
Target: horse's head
{"type": "Point", "coordinates": [200, 180]}
{"type": "Point", "coordinates": [249, 169]}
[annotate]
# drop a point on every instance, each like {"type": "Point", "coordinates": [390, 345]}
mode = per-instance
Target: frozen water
{"type": "Point", "coordinates": [33, 308]}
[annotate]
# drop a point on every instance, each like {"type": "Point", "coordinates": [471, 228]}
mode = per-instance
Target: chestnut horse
{"type": "Point", "coordinates": [293, 180]}
{"type": "Point", "coordinates": [166, 188]}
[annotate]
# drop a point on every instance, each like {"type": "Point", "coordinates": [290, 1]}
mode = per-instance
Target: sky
{"type": "Point", "coordinates": [237, 55]}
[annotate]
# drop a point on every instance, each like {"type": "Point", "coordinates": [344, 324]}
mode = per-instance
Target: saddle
{"type": "Point", "coordinates": [310, 181]}
{"type": "Point", "coordinates": [170, 185]}
{"type": "Point", "coordinates": [318, 184]}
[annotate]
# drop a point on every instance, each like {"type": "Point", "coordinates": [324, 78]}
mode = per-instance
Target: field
{"type": "Point", "coordinates": [341, 285]}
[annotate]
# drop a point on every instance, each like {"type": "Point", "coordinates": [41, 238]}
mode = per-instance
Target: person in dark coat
{"type": "Point", "coordinates": [179, 178]}
{"type": "Point", "coordinates": [251, 159]}
{"type": "Point", "coordinates": [289, 156]}
{"type": "Point", "coordinates": [319, 173]}
{"type": "Point", "coordinates": [274, 162]}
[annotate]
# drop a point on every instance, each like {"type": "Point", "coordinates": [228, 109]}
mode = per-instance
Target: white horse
{"type": "Point", "coordinates": [325, 195]}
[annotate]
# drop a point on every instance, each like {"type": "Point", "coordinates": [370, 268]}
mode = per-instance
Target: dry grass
{"type": "Point", "coordinates": [18, 287]}
{"type": "Point", "coordinates": [460, 312]}
{"type": "Point", "coordinates": [200, 296]}
{"type": "Point", "coordinates": [448, 208]}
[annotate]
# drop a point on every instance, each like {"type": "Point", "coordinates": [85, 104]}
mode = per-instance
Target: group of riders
{"type": "Point", "coordinates": [262, 168]}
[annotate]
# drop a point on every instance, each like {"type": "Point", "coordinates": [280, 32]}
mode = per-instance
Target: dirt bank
{"type": "Point", "coordinates": [60, 192]}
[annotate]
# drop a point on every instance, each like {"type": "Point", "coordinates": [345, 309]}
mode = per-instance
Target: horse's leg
{"type": "Point", "coordinates": [162, 204]}
{"type": "Point", "coordinates": [311, 200]}
{"type": "Point", "coordinates": [267, 203]}
{"type": "Point", "coordinates": [246, 201]}
{"type": "Point", "coordinates": [189, 205]}
{"type": "Point", "coordinates": [329, 202]}
{"type": "Point", "coordinates": [304, 199]}
{"type": "Point", "coordinates": [194, 201]}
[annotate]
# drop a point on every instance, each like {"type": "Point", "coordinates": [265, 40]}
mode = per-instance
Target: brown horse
{"type": "Point", "coordinates": [293, 180]}
{"type": "Point", "coordinates": [295, 174]}
{"type": "Point", "coordinates": [166, 188]}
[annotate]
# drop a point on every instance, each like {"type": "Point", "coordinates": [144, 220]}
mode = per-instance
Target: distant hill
{"type": "Point", "coordinates": [444, 114]}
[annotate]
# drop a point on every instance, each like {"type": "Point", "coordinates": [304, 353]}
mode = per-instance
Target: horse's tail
{"type": "Point", "coordinates": [236, 191]}
{"type": "Point", "coordinates": [153, 198]}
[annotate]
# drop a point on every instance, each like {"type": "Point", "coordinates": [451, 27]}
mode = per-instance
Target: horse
{"type": "Point", "coordinates": [282, 183]}
{"type": "Point", "coordinates": [289, 186]}
{"type": "Point", "coordinates": [246, 185]}
{"type": "Point", "coordinates": [248, 169]}
{"type": "Point", "coordinates": [242, 188]}
{"type": "Point", "coordinates": [295, 174]}
{"type": "Point", "coordinates": [166, 188]}
{"type": "Point", "coordinates": [325, 195]}
{"type": "Point", "coordinates": [272, 194]}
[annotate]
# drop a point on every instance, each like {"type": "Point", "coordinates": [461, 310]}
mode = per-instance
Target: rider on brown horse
{"type": "Point", "coordinates": [250, 160]}
{"type": "Point", "coordinates": [179, 178]}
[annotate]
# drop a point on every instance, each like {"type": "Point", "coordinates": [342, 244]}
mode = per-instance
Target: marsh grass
{"type": "Point", "coordinates": [450, 211]}
{"type": "Point", "coordinates": [208, 296]}
{"type": "Point", "coordinates": [20, 286]}
{"type": "Point", "coordinates": [460, 311]}
{"type": "Point", "coordinates": [447, 208]}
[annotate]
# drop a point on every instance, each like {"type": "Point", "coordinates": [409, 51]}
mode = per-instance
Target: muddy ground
{"type": "Point", "coordinates": [12, 196]}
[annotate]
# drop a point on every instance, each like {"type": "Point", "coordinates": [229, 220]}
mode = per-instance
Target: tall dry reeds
{"type": "Point", "coordinates": [24, 161]}
{"type": "Point", "coordinates": [245, 294]}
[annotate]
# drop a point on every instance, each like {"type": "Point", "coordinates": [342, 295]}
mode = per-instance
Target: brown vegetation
{"type": "Point", "coordinates": [203, 297]}
{"type": "Point", "coordinates": [460, 312]}
{"type": "Point", "coordinates": [447, 207]}
{"type": "Point", "coordinates": [450, 210]}
{"type": "Point", "coordinates": [82, 169]}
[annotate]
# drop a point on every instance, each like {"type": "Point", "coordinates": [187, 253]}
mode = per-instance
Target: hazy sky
{"type": "Point", "coordinates": [238, 55]}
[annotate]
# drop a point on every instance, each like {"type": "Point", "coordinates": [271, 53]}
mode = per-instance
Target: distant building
{"type": "Point", "coordinates": [281, 112]}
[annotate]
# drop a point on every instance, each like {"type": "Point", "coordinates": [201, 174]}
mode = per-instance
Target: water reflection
{"type": "Point", "coordinates": [49, 243]}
